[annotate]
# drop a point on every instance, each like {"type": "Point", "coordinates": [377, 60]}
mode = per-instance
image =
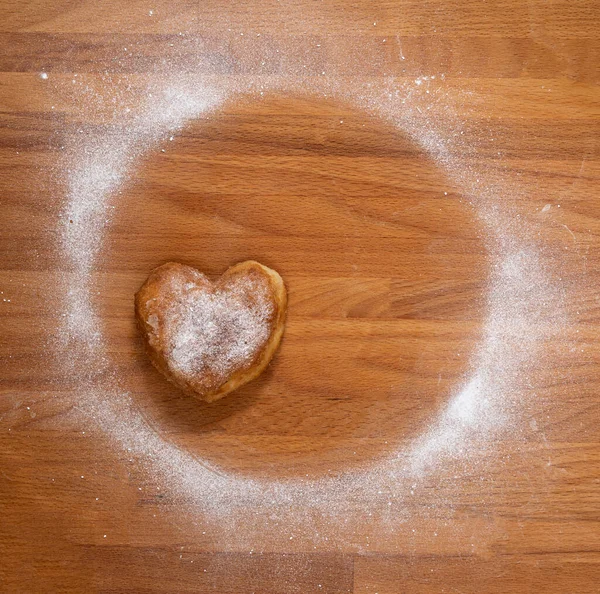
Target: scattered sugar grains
{"type": "Point", "coordinates": [95, 171]}
{"type": "Point", "coordinates": [487, 403]}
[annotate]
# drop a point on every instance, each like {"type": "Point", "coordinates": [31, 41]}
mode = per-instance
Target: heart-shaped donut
{"type": "Point", "coordinates": [210, 338]}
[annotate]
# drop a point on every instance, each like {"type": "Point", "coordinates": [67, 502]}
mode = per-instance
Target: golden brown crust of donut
{"type": "Point", "coordinates": [162, 289]}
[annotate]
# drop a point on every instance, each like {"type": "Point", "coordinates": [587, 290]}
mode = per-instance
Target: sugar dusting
{"type": "Point", "coordinates": [520, 289]}
{"type": "Point", "coordinates": [487, 404]}
{"type": "Point", "coordinates": [211, 333]}
{"type": "Point", "coordinates": [96, 170]}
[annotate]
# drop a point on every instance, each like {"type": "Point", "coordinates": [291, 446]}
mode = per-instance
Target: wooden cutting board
{"type": "Point", "coordinates": [387, 268]}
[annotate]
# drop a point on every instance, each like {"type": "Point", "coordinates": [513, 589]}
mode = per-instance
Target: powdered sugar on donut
{"type": "Point", "coordinates": [214, 331]}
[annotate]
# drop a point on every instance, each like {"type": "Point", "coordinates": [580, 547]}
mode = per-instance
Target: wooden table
{"type": "Point", "coordinates": [388, 269]}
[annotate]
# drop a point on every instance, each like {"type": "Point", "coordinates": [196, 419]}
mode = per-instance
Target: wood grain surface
{"type": "Point", "coordinates": [386, 267]}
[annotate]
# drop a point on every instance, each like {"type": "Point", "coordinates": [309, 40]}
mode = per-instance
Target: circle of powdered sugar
{"type": "Point", "coordinates": [475, 414]}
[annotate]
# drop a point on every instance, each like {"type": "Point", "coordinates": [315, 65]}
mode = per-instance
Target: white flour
{"type": "Point", "coordinates": [488, 402]}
